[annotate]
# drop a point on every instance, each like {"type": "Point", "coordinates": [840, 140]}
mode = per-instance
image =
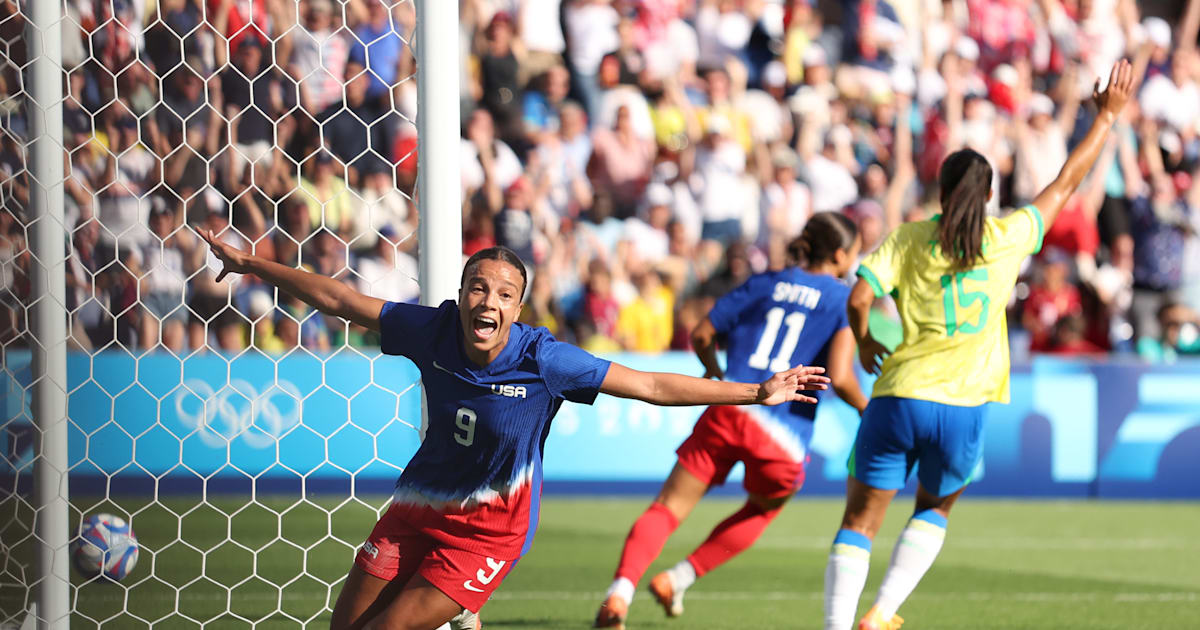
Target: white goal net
{"type": "Point", "coordinates": [247, 439]}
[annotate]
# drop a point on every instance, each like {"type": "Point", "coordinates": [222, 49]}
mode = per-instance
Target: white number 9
{"type": "Point", "coordinates": [465, 420]}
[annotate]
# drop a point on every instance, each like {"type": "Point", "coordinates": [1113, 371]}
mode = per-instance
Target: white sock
{"type": "Point", "coordinates": [845, 577]}
{"type": "Point", "coordinates": [683, 575]}
{"type": "Point", "coordinates": [915, 552]}
{"type": "Point", "coordinates": [623, 588]}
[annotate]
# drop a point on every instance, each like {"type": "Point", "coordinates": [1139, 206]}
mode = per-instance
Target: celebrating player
{"type": "Point", "coordinates": [466, 506]}
{"type": "Point", "coordinates": [775, 319]}
{"type": "Point", "coordinates": [952, 277]}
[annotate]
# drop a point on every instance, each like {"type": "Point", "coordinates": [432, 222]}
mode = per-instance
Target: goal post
{"type": "Point", "coordinates": [249, 471]}
{"type": "Point", "coordinates": [439, 190]}
{"type": "Point", "coordinates": [48, 314]}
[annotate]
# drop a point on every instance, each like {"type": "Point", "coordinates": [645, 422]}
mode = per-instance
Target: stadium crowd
{"type": "Point", "coordinates": [643, 156]}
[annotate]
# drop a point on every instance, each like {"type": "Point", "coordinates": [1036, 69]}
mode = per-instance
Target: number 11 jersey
{"type": "Point", "coordinates": [773, 322]}
{"type": "Point", "coordinates": [955, 348]}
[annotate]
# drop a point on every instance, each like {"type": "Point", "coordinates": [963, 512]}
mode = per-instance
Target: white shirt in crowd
{"type": "Point", "coordinates": [1178, 105]}
{"type": "Point", "coordinates": [396, 282]}
{"type": "Point", "coordinates": [123, 211]}
{"type": "Point", "coordinates": [718, 178]}
{"type": "Point", "coordinates": [507, 167]}
{"type": "Point", "coordinates": [832, 186]}
{"type": "Point", "coordinates": [163, 266]}
{"type": "Point", "coordinates": [540, 28]}
{"type": "Point", "coordinates": [651, 245]}
{"type": "Point", "coordinates": [320, 61]}
{"type": "Point", "coordinates": [721, 35]}
{"type": "Point", "coordinates": [592, 33]}
{"type": "Point", "coordinates": [790, 206]}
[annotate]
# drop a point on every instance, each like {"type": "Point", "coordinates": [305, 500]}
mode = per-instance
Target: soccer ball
{"type": "Point", "coordinates": [105, 544]}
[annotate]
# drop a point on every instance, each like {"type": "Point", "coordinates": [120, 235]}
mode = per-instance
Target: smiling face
{"type": "Point", "coordinates": [488, 303]}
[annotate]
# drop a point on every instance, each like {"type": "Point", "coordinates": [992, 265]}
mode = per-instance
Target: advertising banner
{"type": "Point", "coordinates": [352, 420]}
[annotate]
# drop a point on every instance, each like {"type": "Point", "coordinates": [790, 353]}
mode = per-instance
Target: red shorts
{"type": "Point", "coordinates": [724, 436]}
{"type": "Point", "coordinates": [396, 550]}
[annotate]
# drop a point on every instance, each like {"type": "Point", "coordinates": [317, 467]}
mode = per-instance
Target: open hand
{"type": "Point", "coordinates": [871, 354]}
{"type": "Point", "coordinates": [786, 386]}
{"type": "Point", "coordinates": [1120, 88]}
{"type": "Point", "coordinates": [233, 259]}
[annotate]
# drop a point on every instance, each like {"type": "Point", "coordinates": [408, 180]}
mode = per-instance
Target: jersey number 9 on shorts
{"type": "Point", "coordinates": [953, 293]}
{"type": "Point", "coordinates": [761, 359]}
{"type": "Point", "coordinates": [465, 421]}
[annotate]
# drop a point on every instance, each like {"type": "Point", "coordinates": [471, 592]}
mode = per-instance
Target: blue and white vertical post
{"type": "Point", "coordinates": [439, 188]}
{"type": "Point", "coordinates": [48, 313]}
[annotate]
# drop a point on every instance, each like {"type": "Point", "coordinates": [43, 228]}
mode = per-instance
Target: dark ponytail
{"type": "Point", "coordinates": [823, 235]}
{"type": "Point", "coordinates": [500, 253]}
{"type": "Point", "coordinates": [966, 180]}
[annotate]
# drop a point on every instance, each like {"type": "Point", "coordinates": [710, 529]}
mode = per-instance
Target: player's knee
{"type": "Point", "coordinates": [769, 506]}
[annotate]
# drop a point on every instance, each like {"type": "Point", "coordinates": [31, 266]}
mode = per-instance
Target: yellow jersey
{"type": "Point", "coordinates": [955, 348]}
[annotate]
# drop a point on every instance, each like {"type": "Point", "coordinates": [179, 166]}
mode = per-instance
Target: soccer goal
{"type": "Point", "coordinates": [177, 452]}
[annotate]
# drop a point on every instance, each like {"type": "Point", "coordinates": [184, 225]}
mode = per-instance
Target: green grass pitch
{"type": "Point", "coordinates": [1006, 564]}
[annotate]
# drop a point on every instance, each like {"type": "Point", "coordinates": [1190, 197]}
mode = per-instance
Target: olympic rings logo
{"type": "Point", "coordinates": [239, 412]}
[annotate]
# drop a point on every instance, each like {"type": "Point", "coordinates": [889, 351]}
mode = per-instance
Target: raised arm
{"type": "Point", "coordinates": [1109, 104]}
{"type": "Point", "coordinates": [321, 292]}
{"type": "Point", "coordinates": [664, 388]}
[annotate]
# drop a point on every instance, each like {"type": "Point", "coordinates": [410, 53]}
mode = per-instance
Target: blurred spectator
{"type": "Point", "coordinates": [1069, 337]}
{"type": "Point", "coordinates": [646, 324]}
{"type": "Point", "coordinates": [379, 48]}
{"type": "Point", "coordinates": [499, 68]}
{"type": "Point", "coordinates": [354, 129]}
{"type": "Point", "coordinates": [541, 33]}
{"type": "Point", "coordinates": [160, 265]}
{"type": "Point", "coordinates": [489, 165]}
{"type": "Point", "coordinates": [591, 33]}
{"type": "Point", "coordinates": [299, 325]}
{"type": "Point", "coordinates": [1050, 300]}
{"type": "Point", "coordinates": [564, 157]}
{"type": "Point", "coordinates": [386, 273]}
{"type": "Point", "coordinates": [600, 307]}
{"type": "Point", "coordinates": [621, 163]}
{"type": "Point", "coordinates": [130, 172]}
{"type": "Point", "coordinates": [541, 309]}
{"type": "Point", "coordinates": [514, 223]}
{"type": "Point", "coordinates": [253, 98]}
{"type": "Point", "coordinates": [638, 153]}
{"type": "Point", "coordinates": [720, 165]}
{"type": "Point", "coordinates": [319, 54]}
{"type": "Point", "coordinates": [330, 203]}
{"type": "Point", "coordinates": [1179, 334]}
{"type": "Point", "coordinates": [542, 102]}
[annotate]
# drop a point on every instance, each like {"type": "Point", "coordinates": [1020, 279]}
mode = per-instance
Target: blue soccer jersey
{"type": "Point", "coordinates": [476, 480]}
{"type": "Point", "coordinates": [773, 322]}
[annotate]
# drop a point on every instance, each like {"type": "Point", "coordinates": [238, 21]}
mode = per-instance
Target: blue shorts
{"type": "Point", "coordinates": [898, 433]}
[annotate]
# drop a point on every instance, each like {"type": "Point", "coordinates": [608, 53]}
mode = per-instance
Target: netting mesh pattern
{"type": "Point", "coordinates": [248, 439]}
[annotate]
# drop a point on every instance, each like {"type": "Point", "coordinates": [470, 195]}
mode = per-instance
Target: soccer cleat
{"type": "Point", "coordinates": [663, 589]}
{"type": "Point", "coordinates": [466, 620]}
{"type": "Point", "coordinates": [612, 613]}
{"type": "Point", "coordinates": [874, 621]}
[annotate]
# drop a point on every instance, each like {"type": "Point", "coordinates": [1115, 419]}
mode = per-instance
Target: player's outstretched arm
{"type": "Point", "coordinates": [321, 292]}
{"type": "Point", "coordinates": [1109, 104]}
{"type": "Point", "coordinates": [665, 388]}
